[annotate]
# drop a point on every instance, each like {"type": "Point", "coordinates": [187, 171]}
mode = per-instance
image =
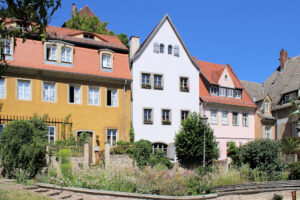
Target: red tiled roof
{"type": "Point", "coordinates": [86, 11]}
{"type": "Point", "coordinates": [86, 60]}
{"type": "Point", "coordinates": [212, 73]}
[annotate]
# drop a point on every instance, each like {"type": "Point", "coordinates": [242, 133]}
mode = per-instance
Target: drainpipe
{"type": "Point", "coordinates": [276, 125]}
{"type": "Point", "coordinates": [124, 94]}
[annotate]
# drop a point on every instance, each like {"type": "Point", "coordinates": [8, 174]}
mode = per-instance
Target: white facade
{"type": "Point", "coordinates": [171, 68]}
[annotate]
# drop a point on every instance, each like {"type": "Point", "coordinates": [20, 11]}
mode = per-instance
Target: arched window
{"type": "Point", "coordinates": [170, 48]}
{"type": "Point", "coordinates": [161, 48]}
{"type": "Point", "coordinates": [156, 47]}
{"type": "Point", "coordinates": [267, 106]}
{"type": "Point", "coordinates": [158, 146]}
{"type": "Point", "coordinates": [176, 50]}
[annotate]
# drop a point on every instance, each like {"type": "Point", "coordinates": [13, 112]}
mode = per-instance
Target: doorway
{"type": "Point", "coordinates": [86, 136]}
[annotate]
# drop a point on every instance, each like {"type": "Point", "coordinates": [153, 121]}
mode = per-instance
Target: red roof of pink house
{"type": "Point", "coordinates": [86, 59]}
{"type": "Point", "coordinates": [212, 73]}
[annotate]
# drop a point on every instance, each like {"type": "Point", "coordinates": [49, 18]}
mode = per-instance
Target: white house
{"type": "Point", "coordinates": [165, 85]}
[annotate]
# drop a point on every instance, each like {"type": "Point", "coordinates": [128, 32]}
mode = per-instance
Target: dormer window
{"type": "Point", "coordinates": [170, 48]}
{"type": "Point", "coordinates": [226, 77]}
{"type": "Point", "coordinates": [290, 96]}
{"type": "Point", "coordinates": [214, 91]}
{"type": "Point", "coordinates": [7, 46]}
{"type": "Point", "coordinates": [88, 36]}
{"type": "Point", "coordinates": [51, 52]}
{"type": "Point", "coordinates": [266, 106]}
{"type": "Point", "coordinates": [237, 94]}
{"type": "Point", "coordinates": [229, 92]}
{"type": "Point", "coordinates": [106, 60]}
{"type": "Point", "coordinates": [66, 54]}
{"type": "Point", "coordinates": [161, 48]}
{"type": "Point", "coordinates": [176, 50]}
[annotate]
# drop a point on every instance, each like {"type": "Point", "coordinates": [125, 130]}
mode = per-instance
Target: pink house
{"type": "Point", "coordinates": [227, 105]}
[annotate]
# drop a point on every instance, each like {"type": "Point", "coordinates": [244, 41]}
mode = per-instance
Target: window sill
{"type": "Point", "coordinates": [225, 124]}
{"type": "Point", "coordinates": [49, 101]}
{"type": "Point", "coordinates": [166, 123]}
{"type": "Point", "coordinates": [158, 87]}
{"type": "Point", "coordinates": [184, 90]}
{"type": "Point", "coordinates": [146, 86]}
{"type": "Point", "coordinates": [235, 125]}
{"type": "Point", "coordinates": [148, 122]}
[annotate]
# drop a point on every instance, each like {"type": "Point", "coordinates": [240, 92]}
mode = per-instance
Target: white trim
{"type": "Point", "coordinates": [30, 88]}
{"type": "Point", "coordinates": [117, 135]}
{"type": "Point", "coordinates": [48, 135]}
{"type": "Point", "coordinates": [118, 101]}
{"type": "Point", "coordinates": [55, 91]}
{"type": "Point", "coordinates": [99, 95]}
{"type": "Point", "coordinates": [4, 87]}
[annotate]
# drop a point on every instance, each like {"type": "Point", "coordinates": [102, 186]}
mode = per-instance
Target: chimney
{"type": "Point", "coordinates": [134, 45]}
{"type": "Point", "coordinates": [283, 59]}
{"type": "Point", "coordinates": [73, 8]}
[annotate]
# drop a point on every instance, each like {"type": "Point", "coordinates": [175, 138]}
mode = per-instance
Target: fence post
{"type": "Point", "coordinates": [86, 154]}
{"type": "Point", "coordinates": [47, 155]}
{"type": "Point", "coordinates": [107, 155]}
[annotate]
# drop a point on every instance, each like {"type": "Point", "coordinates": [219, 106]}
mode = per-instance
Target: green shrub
{"type": "Point", "coordinates": [294, 170]}
{"type": "Point", "coordinates": [131, 133]}
{"type": "Point", "coordinates": [52, 172]}
{"type": "Point", "coordinates": [233, 153]}
{"type": "Point", "coordinates": [195, 186]}
{"type": "Point", "coordinates": [160, 158]}
{"type": "Point", "coordinates": [23, 146]}
{"type": "Point", "coordinates": [65, 155]}
{"type": "Point", "coordinates": [21, 175]}
{"type": "Point", "coordinates": [277, 197]}
{"type": "Point", "coordinates": [66, 169]}
{"type": "Point", "coordinates": [141, 152]}
{"type": "Point", "coordinates": [66, 165]}
{"type": "Point", "coordinates": [189, 142]}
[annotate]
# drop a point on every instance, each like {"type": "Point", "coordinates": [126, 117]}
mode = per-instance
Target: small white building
{"type": "Point", "coordinates": [165, 85]}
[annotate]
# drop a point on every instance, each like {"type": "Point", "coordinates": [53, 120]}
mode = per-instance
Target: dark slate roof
{"type": "Point", "coordinates": [255, 90]}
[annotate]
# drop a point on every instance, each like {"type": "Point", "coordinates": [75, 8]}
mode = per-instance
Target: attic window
{"type": "Point", "coordinates": [170, 48]}
{"type": "Point", "coordinates": [51, 52]}
{"type": "Point", "coordinates": [161, 48]}
{"type": "Point", "coordinates": [176, 50]}
{"type": "Point", "coordinates": [226, 77]}
{"type": "Point", "coordinates": [88, 36]}
{"type": "Point", "coordinates": [156, 47]}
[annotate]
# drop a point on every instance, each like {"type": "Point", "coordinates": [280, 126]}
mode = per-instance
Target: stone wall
{"type": "Point", "coordinates": [122, 160]}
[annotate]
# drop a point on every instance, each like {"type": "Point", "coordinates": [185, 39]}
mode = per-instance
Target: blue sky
{"type": "Point", "coordinates": [248, 35]}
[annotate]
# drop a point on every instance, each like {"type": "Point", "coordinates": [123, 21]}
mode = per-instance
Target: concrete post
{"type": "Point", "coordinates": [107, 155]}
{"type": "Point", "coordinates": [47, 155]}
{"type": "Point", "coordinates": [86, 154]}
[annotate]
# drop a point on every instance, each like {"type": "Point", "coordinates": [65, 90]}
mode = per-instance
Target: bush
{"type": "Point", "coordinates": [131, 133]}
{"type": "Point", "coordinates": [160, 158]}
{"type": "Point", "coordinates": [277, 197]}
{"type": "Point", "coordinates": [141, 152]}
{"type": "Point", "coordinates": [294, 170]}
{"type": "Point", "coordinates": [233, 153]}
{"type": "Point", "coordinates": [66, 165]}
{"type": "Point", "coordinates": [23, 146]}
{"type": "Point", "coordinates": [189, 142]}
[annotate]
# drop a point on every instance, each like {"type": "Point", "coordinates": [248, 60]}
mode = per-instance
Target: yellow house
{"type": "Point", "coordinates": [83, 74]}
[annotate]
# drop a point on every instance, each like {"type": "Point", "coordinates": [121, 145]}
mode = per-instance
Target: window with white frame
{"type": "Point", "coordinates": [51, 52]}
{"type": "Point", "coordinates": [148, 116]}
{"type": "Point", "coordinates": [245, 120]}
{"type": "Point", "coordinates": [170, 48]}
{"type": "Point", "coordinates": [266, 106]}
{"type": "Point", "coordinates": [176, 50]}
{"type": "Point", "coordinates": [222, 92]}
{"type": "Point", "coordinates": [157, 81]}
{"type": "Point", "coordinates": [66, 54]}
{"type": "Point", "coordinates": [106, 60]}
{"type": "Point", "coordinates": [238, 94]}
{"type": "Point", "coordinates": [24, 90]}
{"type": "Point", "coordinates": [7, 46]}
{"type": "Point", "coordinates": [156, 47]}
{"type": "Point", "coordinates": [51, 134]}
{"type": "Point", "coordinates": [146, 80]}
{"type": "Point", "coordinates": [74, 94]}
{"type": "Point", "coordinates": [2, 88]}
{"type": "Point", "coordinates": [213, 117]}
{"type": "Point", "coordinates": [225, 117]}
{"type": "Point", "coordinates": [111, 136]}
{"type": "Point", "coordinates": [112, 97]}
{"type": "Point", "coordinates": [184, 114]}
{"type": "Point", "coordinates": [235, 118]}
{"type": "Point", "coordinates": [161, 48]}
{"type": "Point", "coordinates": [1, 128]}
{"type": "Point", "coordinates": [166, 116]}
{"type": "Point", "coordinates": [229, 92]}
{"type": "Point", "coordinates": [268, 132]}
{"type": "Point", "coordinates": [93, 95]}
{"type": "Point", "coordinates": [49, 92]}
{"type": "Point", "coordinates": [214, 91]}
{"type": "Point", "coordinates": [184, 84]}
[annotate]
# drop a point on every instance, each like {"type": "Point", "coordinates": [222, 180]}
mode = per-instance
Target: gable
{"type": "Point", "coordinates": [225, 79]}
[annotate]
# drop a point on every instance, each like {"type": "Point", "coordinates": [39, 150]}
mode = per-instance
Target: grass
{"type": "Point", "coordinates": [13, 194]}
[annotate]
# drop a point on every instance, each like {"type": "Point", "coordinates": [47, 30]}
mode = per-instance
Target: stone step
{"type": "Point", "coordinates": [41, 190]}
{"type": "Point", "coordinates": [30, 187]}
{"type": "Point", "coordinates": [54, 193]}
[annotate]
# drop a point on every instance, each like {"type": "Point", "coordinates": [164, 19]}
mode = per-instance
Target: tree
{"type": "Point", "coordinates": [92, 24]}
{"type": "Point", "coordinates": [141, 152]}
{"type": "Point", "coordinates": [23, 146]}
{"type": "Point", "coordinates": [32, 18]}
{"type": "Point", "coordinates": [233, 153]}
{"type": "Point", "coordinates": [290, 145]}
{"type": "Point", "coordinates": [189, 142]}
{"type": "Point", "coordinates": [131, 133]}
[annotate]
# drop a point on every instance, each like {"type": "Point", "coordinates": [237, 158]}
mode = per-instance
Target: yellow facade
{"type": "Point", "coordinates": [94, 118]}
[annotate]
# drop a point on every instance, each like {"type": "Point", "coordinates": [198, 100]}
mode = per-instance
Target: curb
{"type": "Point", "coordinates": [126, 194]}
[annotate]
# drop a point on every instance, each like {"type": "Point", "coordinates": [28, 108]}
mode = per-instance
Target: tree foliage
{"type": "Point", "coordinates": [23, 146]}
{"type": "Point", "coordinates": [189, 142]}
{"type": "Point", "coordinates": [141, 152]}
{"type": "Point", "coordinates": [131, 133]}
{"type": "Point", "coordinates": [290, 145]}
{"type": "Point", "coordinates": [92, 24]}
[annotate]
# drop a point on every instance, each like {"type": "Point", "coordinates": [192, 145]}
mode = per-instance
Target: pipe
{"type": "Point", "coordinates": [124, 94]}
{"type": "Point", "coordinates": [276, 126]}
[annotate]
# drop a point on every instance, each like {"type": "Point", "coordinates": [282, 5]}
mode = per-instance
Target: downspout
{"type": "Point", "coordinates": [124, 94]}
{"type": "Point", "coordinates": [276, 126]}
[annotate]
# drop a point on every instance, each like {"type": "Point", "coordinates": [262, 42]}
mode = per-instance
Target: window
{"type": "Point", "coordinates": [93, 96]}
{"type": "Point", "coordinates": [225, 118]}
{"type": "Point", "coordinates": [112, 97]}
{"type": "Point", "coordinates": [148, 116]}
{"type": "Point", "coordinates": [184, 114]}
{"type": "Point", "coordinates": [238, 94]}
{"type": "Point", "coordinates": [266, 106]}
{"type": "Point", "coordinates": [7, 46]}
{"type": "Point", "coordinates": [170, 48]}
{"type": "Point", "coordinates": [235, 119]}
{"type": "Point", "coordinates": [51, 134]}
{"type": "Point", "coordinates": [214, 91]}
{"type": "Point", "coordinates": [184, 85]}
{"type": "Point", "coordinates": [106, 60]}
{"type": "Point", "coordinates": [166, 117]}
{"type": "Point", "coordinates": [222, 92]}
{"type": "Point", "coordinates": [245, 120]}
{"type": "Point", "coordinates": [74, 94]}
{"type": "Point", "coordinates": [88, 36]}
{"type": "Point", "coordinates": [111, 136]}
{"type": "Point", "coordinates": [213, 117]}
{"type": "Point", "coordinates": [229, 92]}
{"type": "Point", "coordinates": [158, 81]}
{"type": "Point", "coordinates": [66, 54]}
{"type": "Point", "coordinates": [290, 96]}
{"type": "Point", "coordinates": [268, 132]}
{"type": "Point", "coordinates": [51, 52]}
{"type": "Point", "coordinates": [226, 77]}
{"type": "Point", "coordinates": [2, 88]}
{"type": "Point", "coordinates": [49, 92]}
{"type": "Point", "coordinates": [146, 81]}
{"type": "Point", "coordinates": [1, 128]}
{"type": "Point", "coordinates": [24, 91]}
{"type": "Point", "coordinates": [176, 50]}
{"type": "Point", "coordinates": [160, 147]}
{"type": "Point", "coordinates": [161, 48]}
{"type": "Point", "coordinates": [156, 47]}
